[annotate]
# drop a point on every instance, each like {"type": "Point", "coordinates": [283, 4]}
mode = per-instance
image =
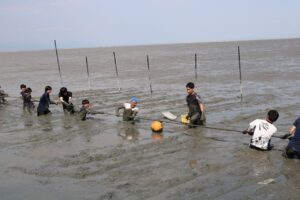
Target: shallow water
{"type": "Point", "coordinates": [59, 157]}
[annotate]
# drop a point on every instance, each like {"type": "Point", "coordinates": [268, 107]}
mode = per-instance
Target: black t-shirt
{"type": "Point", "coordinates": [65, 97]}
{"type": "Point", "coordinates": [193, 101]}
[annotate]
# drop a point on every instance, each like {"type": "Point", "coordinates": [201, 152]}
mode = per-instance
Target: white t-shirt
{"type": "Point", "coordinates": [263, 131]}
{"type": "Point", "coordinates": [127, 106]}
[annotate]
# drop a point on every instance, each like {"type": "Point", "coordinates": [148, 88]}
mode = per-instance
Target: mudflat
{"type": "Point", "coordinates": [60, 157]}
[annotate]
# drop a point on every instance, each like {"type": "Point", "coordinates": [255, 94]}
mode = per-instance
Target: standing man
{"type": "Point", "coordinates": [65, 98]}
{"type": "Point", "coordinates": [43, 107]}
{"type": "Point", "coordinates": [195, 106]}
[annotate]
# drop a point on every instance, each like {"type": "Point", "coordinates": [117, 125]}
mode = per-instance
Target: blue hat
{"type": "Point", "coordinates": [134, 99]}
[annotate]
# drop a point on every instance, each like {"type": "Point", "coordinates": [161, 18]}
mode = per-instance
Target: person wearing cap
{"type": "Point", "coordinates": [65, 98]}
{"type": "Point", "coordinates": [28, 103]}
{"type": "Point", "coordinates": [196, 107]}
{"type": "Point", "coordinates": [86, 109]}
{"type": "Point", "coordinates": [43, 107]}
{"type": "Point", "coordinates": [130, 110]}
{"type": "Point", "coordinates": [2, 96]}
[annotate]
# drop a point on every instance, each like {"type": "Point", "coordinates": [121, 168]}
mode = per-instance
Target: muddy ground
{"type": "Point", "coordinates": [60, 157]}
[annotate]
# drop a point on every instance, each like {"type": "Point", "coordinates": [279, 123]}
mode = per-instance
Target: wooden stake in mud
{"type": "Point", "coordinates": [196, 73]}
{"type": "Point", "coordinates": [117, 74]}
{"type": "Point", "coordinates": [149, 76]}
{"type": "Point", "coordinates": [88, 72]}
{"type": "Point", "coordinates": [61, 80]}
{"type": "Point", "coordinates": [241, 86]}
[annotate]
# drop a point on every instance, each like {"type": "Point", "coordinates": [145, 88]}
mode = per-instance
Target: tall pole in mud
{"type": "Point", "coordinates": [117, 74]}
{"type": "Point", "coordinates": [241, 86]}
{"type": "Point", "coordinates": [61, 80]}
{"type": "Point", "coordinates": [196, 75]}
{"type": "Point", "coordinates": [149, 76]}
{"type": "Point", "coordinates": [88, 72]}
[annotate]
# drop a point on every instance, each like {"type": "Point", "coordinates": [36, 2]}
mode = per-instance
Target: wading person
{"type": "Point", "coordinates": [43, 107]}
{"type": "Point", "coordinates": [86, 109]}
{"type": "Point", "coordinates": [129, 110]}
{"type": "Point", "coordinates": [22, 92]}
{"type": "Point", "coordinates": [28, 103]}
{"type": "Point", "coordinates": [293, 148]}
{"type": "Point", "coordinates": [65, 98]}
{"type": "Point", "coordinates": [3, 94]}
{"type": "Point", "coordinates": [195, 106]}
{"type": "Point", "coordinates": [261, 131]}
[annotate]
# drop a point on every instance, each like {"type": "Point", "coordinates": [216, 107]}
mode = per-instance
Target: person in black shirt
{"type": "Point", "coordinates": [195, 106]}
{"type": "Point", "coordinates": [65, 98]}
{"type": "Point", "coordinates": [43, 107]}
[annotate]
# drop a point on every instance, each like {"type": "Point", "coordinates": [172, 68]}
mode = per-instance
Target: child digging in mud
{"type": "Point", "coordinates": [261, 131]}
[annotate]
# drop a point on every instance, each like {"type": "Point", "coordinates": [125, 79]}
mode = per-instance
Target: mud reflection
{"type": "Point", "coordinates": [129, 132]}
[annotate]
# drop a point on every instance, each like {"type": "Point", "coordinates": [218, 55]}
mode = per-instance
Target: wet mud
{"type": "Point", "coordinates": [61, 157]}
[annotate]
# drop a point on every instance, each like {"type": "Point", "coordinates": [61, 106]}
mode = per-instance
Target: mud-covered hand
{"type": "Point", "coordinates": [286, 136]}
{"type": "Point", "coordinates": [249, 132]}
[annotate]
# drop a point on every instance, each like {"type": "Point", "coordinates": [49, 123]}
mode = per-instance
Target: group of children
{"type": "Point", "coordinates": [261, 130]}
{"type": "Point", "coordinates": [65, 98]}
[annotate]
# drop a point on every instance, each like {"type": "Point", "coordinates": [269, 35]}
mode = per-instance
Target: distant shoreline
{"type": "Point", "coordinates": [151, 45]}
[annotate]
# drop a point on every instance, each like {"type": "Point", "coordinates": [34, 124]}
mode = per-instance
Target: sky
{"type": "Point", "coordinates": [35, 24]}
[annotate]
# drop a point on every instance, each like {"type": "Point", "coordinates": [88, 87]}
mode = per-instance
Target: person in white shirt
{"type": "Point", "coordinates": [130, 109]}
{"type": "Point", "coordinates": [262, 131]}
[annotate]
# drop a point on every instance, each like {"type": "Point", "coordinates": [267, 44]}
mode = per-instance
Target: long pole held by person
{"type": "Point", "coordinates": [149, 76]}
{"type": "Point", "coordinates": [117, 73]}
{"type": "Point", "coordinates": [88, 72]}
{"type": "Point", "coordinates": [241, 86]}
{"type": "Point", "coordinates": [196, 73]}
{"type": "Point", "coordinates": [61, 80]}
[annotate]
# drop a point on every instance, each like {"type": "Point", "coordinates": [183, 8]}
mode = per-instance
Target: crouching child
{"type": "Point", "coordinates": [261, 131]}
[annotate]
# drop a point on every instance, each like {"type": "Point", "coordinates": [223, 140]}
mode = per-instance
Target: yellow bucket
{"type": "Point", "coordinates": [184, 120]}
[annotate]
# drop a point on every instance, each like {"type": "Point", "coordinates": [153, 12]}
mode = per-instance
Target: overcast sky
{"type": "Point", "coordinates": [34, 24]}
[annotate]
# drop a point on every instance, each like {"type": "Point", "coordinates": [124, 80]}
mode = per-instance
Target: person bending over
{"type": "Point", "coordinates": [130, 110]}
{"type": "Point", "coordinates": [261, 131]}
{"type": "Point", "coordinates": [65, 98]}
